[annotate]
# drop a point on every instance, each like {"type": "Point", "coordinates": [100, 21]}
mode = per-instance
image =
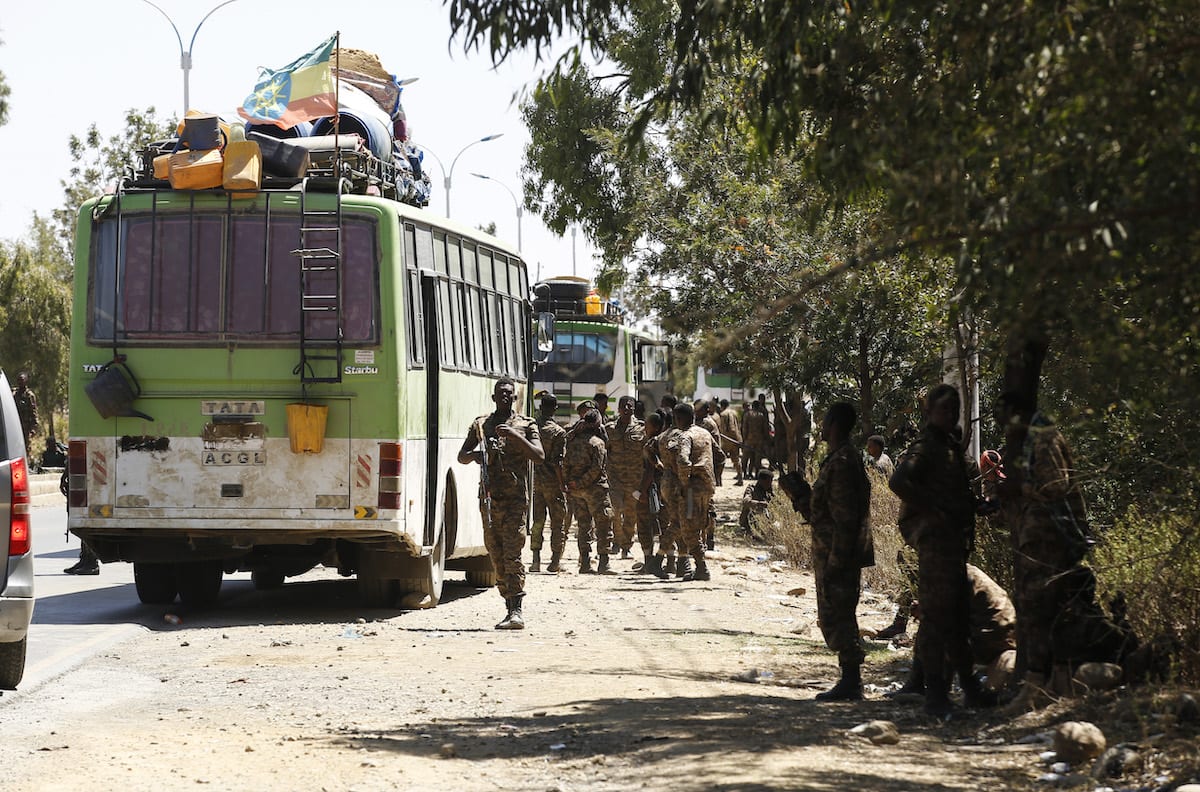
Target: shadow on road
{"type": "Point", "coordinates": [726, 730]}
{"type": "Point", "coordinates": [240, 604]}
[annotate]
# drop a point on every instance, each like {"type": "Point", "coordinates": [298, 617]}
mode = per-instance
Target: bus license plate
{"type": "Point", "coordinates": [234, 457]}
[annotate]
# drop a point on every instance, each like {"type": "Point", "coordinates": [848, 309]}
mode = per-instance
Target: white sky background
{"type": "Point", "coordinates": [71, 63]}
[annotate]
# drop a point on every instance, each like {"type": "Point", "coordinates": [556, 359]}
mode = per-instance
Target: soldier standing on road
{"type": "Point", "coordinates": [626, 438]}
{"type": "Point", "coordinates": [670, 540]}
{"type": "Point", "coordinates": [585, 473]}
{"type": "Point", "coordinates": [548, 488]}
{"type": "Point", "coordinates": [842, 546]}
{"type": "Point", "coordinates": [27, 409]}
{"type": "Point", "coordinates": [649, 496]}
{"type": "Point", "coordinates": [693, 461]}
{"type": "Point", "coordinates": [509, 441]}
{"type": "Point", "coordinates": [731, 438]}
{"type": "Point", "coordinates": [937, 518]}
{"type": "Point", "coordinates": [756, 434]}
{"type": "Point", "coordinates": [706, 418]}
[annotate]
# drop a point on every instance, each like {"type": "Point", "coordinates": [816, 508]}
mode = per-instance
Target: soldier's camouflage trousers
{"type": "Point", "coordinates": [668, 521]}
{"type": "Point", "coordinates": [693, 522]}
{"type": "Point", "coordinates": [647, 526]}
{"type": "Point", "coordinates": [593, 515]}
{"type": "Point", "coordinates": [625, 515]}
{"type": "Point", "coordinates": [837, 600]}
{"type": "Point", "coordinates": [505, 539]}
{"type": "Point", "coordinates": [549, 500]}
{"type": "Point", "coordinates": [944, 594]}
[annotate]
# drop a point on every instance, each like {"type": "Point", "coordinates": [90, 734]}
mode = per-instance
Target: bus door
{"type": "Point", "coordinates": [652, 369]}
{"type": "Point", "coordinates": [431, 284]}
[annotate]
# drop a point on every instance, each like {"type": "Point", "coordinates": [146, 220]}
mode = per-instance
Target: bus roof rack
{"type": "Point", "coordinates": [351, 166]}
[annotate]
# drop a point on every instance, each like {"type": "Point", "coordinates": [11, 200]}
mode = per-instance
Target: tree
{"type": "Point", "coordinates": [99, 162]}
{"type": "Point", "coordinates": [1010, 138]}
{"type": "Point", "coordinates": [35, 324]}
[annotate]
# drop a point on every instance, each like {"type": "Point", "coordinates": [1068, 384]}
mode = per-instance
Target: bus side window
{"type": "Point", "coordinates": [485, 269]}
{"type": "Point", "coordinates": [446, 327]}
{"type": "Point", "coordinates": [416, 321]}
{"type": "Point", "coordinates": [461, 325]}
{"type": "Point", "coordinates": [475, 329]}
{"type": "Point", "coordinates": [495, 344]}
{"type": "Point", "coordinates": [470, 270]}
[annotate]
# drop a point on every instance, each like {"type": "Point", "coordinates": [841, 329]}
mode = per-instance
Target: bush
{"type": "Point", "coordinates": [1155, 560]}
{"type": "Point", "coordinates": [791, 538]}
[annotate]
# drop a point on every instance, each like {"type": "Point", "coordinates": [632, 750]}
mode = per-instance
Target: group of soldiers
{"type": "Point", "coordinates": [652, 480]}
{"type": "Point", "coordinates": [965, 618]}
{"type": "Point", "coordinates": [622, 479]}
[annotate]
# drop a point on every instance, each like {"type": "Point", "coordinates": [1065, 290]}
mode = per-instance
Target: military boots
{"type": "Point", "coordinates": [585, 564]}
{"type": "Point", "coordinates": [536, 564]}
{"type": "Point", "coordinates": [515, 620]}
{"type": "Point", "coordinates": [555, 563]}
{"type": "Point", "coordinates": [701, 572]}
{"type": "Point", "coordinates": [848, 688]}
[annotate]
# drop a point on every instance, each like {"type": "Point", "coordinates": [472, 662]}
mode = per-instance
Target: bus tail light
{"type": "Point", "coordinates": [18, 524]}
{"type": "Point", "coordinates": [390, 466]}
{"type": "Point", "coordinates": [77, 473]}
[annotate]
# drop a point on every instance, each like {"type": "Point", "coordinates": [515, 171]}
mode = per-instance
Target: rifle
{"type": "Point", "coordinates": [485, 484]}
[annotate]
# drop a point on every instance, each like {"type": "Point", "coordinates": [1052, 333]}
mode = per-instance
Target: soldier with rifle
{"type": "Point", "coordinates": [504, 443]}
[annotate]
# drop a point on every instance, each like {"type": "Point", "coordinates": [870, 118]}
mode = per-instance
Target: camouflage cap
{"type": "Point", "coordinates": [587, 405]}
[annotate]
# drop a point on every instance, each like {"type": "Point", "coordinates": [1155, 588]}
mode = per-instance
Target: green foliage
{"type": "Point", "coordinates": [790, 538]}
{"type": "Point", "coordinates": [1154, 558]}
{"type": "Point", "coordinates": [35, 289]}
{"type": "Point", "coordinates": [99, 162]}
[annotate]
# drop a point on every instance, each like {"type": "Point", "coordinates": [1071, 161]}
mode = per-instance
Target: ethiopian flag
{"type": "Point", "coordinates": [301, 91]}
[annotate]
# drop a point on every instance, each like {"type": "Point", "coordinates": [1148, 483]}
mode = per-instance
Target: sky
{"type": "Point", "coordinates": [70, 63]}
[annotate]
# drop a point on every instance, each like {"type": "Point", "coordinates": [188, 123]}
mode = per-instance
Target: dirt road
{"type": "Point", "coordinates": [619, 682]}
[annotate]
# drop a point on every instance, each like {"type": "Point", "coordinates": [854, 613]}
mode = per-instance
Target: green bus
{"type": "Point", "coordinates": [595, 350]}
{"type": "Point", "coordinates": [273, 382]}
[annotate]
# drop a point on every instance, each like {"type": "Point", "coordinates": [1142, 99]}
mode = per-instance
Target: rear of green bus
{"type": "Point", "coordinates": [200, 443]}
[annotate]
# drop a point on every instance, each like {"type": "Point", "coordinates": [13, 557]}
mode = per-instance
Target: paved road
{"type": "Point", "coordinates": [75, 617]}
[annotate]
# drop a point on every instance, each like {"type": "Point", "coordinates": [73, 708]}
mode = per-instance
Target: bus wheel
{"type": "Point", "coordinates": [376, 592]}
{"type": "Point", "coordinates": [432, 572]}
{"type": "Point", "coordinates": [481, 577]}
{"type": "Point", "coordinates": [199, 582]}
{"type": "Point", "coordinates": [155, 583]}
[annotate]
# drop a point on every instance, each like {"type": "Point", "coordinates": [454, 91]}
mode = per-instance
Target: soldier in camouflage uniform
{"type": "Point", "coordinates": [27, 410]}
{"type": "Point", "coordinates": [756, 436]}
{"type": "Point", "coordinates": [693, 462]}
{"type": "Point", "coordinates": [937, 518]}
{"type": "Point", "coordinates": [507, 441]}
{"type": "Point", "coordinates": [842, 546]}
{"type": "Point", "coordinates": [1059, 624]}
{"type": "Point", "coordinates": [585, 472]}
{"type": "Point", "coordinates": [649, 496]}
{"type": "Point", "coordinates": [706, 417]}
{"type": "Point", "coordinates": [669, 548]}
{"type": "Point", "coordinates": [548, 490]}
{"type": "Point", "coordinates": [626, 438]}
{"type": "Point", "coordinates": [731, 438]}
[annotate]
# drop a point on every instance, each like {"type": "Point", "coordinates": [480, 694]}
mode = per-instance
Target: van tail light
{"type": "Point", "coordinates": [77, 474]}
{"type": "Point", "coordinates": [390, 466]}
{"type": "Point", "coordinates": [19, 542]}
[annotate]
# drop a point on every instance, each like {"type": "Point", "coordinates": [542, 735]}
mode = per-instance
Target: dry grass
{"type": "Point", "coordinates": [790, 538]}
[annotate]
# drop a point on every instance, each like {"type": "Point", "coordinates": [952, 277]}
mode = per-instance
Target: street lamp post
{"type": "Point", "coordinates": [450, 174]}
{"type": "Point", "coordinates": [185, 56]}
{"type": "Point", "coordinates": [516, 203]}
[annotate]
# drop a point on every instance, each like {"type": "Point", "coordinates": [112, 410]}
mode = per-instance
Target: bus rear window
{"type": "Point", "coordinates": [216, 278]}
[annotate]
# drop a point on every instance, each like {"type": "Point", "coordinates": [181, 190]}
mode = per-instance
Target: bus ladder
{"type": "Point", "coordinates": [321, 317]}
